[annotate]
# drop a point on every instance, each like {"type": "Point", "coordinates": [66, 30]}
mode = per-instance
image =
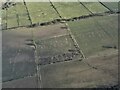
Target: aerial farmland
{"type": "Point", "coordinates": [59, 44]}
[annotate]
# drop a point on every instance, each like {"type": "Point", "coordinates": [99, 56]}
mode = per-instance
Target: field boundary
{"type": "Point", "coordinates": [109, 12]}
{"type": "Point", "coordinates": [70, 34]}
{"type": "Point", "coordinates": [27, 12]}
{"type": "Point", "coordinates": [96, 22]}
{"type": "Point", "coordinates": [55, 21]}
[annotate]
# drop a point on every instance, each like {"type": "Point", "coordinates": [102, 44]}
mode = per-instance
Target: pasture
{"type": "Point", "coordinates": [91, 34]}
{"type": "Point", "coordinates": [25, 14]}
{"type": "Point", "coordinates": [112, 5]}
{"type": "Point", "coordinates": [95, 7]}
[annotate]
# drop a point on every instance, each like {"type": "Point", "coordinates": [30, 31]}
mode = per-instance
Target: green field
{"type": "Point", "coordinates": [95, 7]}
{"type": "Point", "coordinates": [41, 12]}
{"type": "Point", "coordinates": [69, 10]}
{"type": "Point", "coordinates": [91, 34]}
{"type": "Point", "coordinates": [112, 5]}
{"type": "Point", "coordinates": [17, 15]}
{"type": "Point", "coordinates": [3, 18]}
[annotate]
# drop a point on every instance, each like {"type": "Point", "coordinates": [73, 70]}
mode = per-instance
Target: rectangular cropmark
{"type": "Point", "coordinates": [55, 50]}
{"type": "Point", "coordinates": [53, 45]}
{"type": "Point", "coordinates": [57, 47]}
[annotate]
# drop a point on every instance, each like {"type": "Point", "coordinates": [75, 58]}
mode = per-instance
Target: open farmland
{"type": "Point", "coordinates": [112, 6]}
{"type": "Point", "coordinates": [60, 45]}
{"type": "Point", "coordinates": [69, 10]}
{"type": "Point", "coordinates": [39, 12]}
{"type": "Point", "coordinates": [24, 14]}
{"type": "Point", "coordinates": [15, 16]}
{"type": "Point", "coordinates": [92, 33]}
{"type": "Point", "coordinates": [94, 7]}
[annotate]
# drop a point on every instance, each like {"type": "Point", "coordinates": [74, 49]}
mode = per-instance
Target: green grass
{"type": "Point", "coordinates": [20, 7]}
{"type": "Point", "coordinates": [12, 23]}
{"type": "Point", "coordinates": [3, 14]}
{"type": "Point", "coordinates": [112, 5]}
{"type": "Point", "coordinates": [3, 17]}
{"type": "Point", "coordinates": [11, 11]}
{"type": "Point", "coordinates": [12, 18]}
{"type": "Point", "coordinates": [41, 11]}
{"type": "Point", "coordinates": [91, 33]}
{"type": "Point", "coordinates": [95, 7]}
{"type": "Point", "coordinates": [24, 20]}
{"type": "Point", "coordinates": [22, 13]}
{"type": "Point", "coordinates": [70, 9]}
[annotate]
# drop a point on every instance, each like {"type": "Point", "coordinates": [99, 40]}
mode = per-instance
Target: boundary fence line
{"type": "Point", "coordinates": [67, 20]}
{"type": "Point", "coordinates": [27, 12]}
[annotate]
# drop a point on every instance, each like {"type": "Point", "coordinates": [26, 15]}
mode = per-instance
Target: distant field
{"type": "Point", "coordinates": [69, 10]}
{"type": "Point", "coordinates": [15, 16]}
{"type": "Point", "coordinates": [91, 34]}
{"type": "Point", "coordinates": [41, 11]}
{"type": "Point", "coordinates": [95, 7]}
{"type": "Point", "coordinates": [112, 5]}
